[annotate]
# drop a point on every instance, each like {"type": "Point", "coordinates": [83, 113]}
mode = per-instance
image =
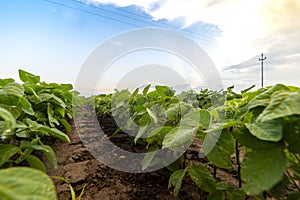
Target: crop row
{"type": "Point", "coordinates": [264, 124]}
{"type": "Point", "coordinates": [31, 113]}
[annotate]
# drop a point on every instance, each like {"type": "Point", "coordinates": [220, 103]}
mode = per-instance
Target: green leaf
{"type": "Point", "coordinates": [179, 138]}
{"type": "Point", "coordinates": [294, 196]}
{"type": "Point", "coordinates": [55, 133]}
{"type": "Point", "coordinates": [218, 147]}
{"type": "Point", "coordinates": [66, 124]}
{"type": "Point", "coordinates": [293, 88]}
{"type": "Point", "coordinates": [231, 192]}
{"type": "Point", "coordinates": [247, 89]}
{"type": "Point", "coordinates": [53, 99]}
{"type": "Point", "coordinates": [282, 105]}
{"type": "Point", "coordinates": [203, 178]}
{"type": "Point", "coordinates": [217, 127]}
{"type": "Point", "coordinates": [235, 194]}
{"type": "Point", "coordinates": [216, 195]}
{"type": "Point", "coordinates": [173, 112]}
{"type": "Point", "coordinates": [222, 185]}
{"type": "Point", "coordinates": [26, 144]}
{"type": "Point", "coordinates": [60, 111]}
{"type": "Point", "coordinates": [245, 138]}
{"type": "Point", "coordinates": [12, 94]}
{"type": "Point", "coordinates": [176, 180]}
{"type": "Point", "coordinates": [6, 152]}
{"type": "Point", "coordinates": [8, 101]}
{"type": "Point", "coordinates": [262, 170]}
{"type": "Point", "coordinates": [58, 101]}
{"type": "Point", "coordinates": [9, 122]}
{"type": "Point", "coordinates": [153, 94]}
{"type": "Point", "coordinates": [150, 159]}
{"type": "Point", "coordinates": [32, 123]}
{"type": "Point", "coordinates": [140, 109]}
{"type": "Point", "coordinates": [280, 188]}
{"type": "Point", "coordinates": [144, 120]}
{"type": "Point", "coordinates": [44, 97]}
{"type": "Point", "coordinates": [6, 81]}
{"type": "Point", "coordinates": [26, 106]}
{"type": "Point", "coordinates": [141, 132]}
{"type": "Point", "coordinates": [147, 161]}
{"type": "Point", "coordinates": [263, 99]}
{"type": "Point", "coordinates": [216, 116]}
{"type": "Point", "coordinates": [268, 130]}
{"type": "Point", "coordinates": [66, 87]}
{"type": "Point", "coordinates": [73, 195]}
{"type": "Point", "coordinates": [50, 112]}
{"type": "Point", "coordinates": [14, 89]}
{"type": "Point", "coordinates": [22, 157]}
{"type": "Point", "coordinates": [82, 192]}
{"type": "Point", "coordinates": [29, 89]}
{"type": "Point", "coordinates": [50, 155]}
{"type": "Point", "coordinates": [152, 115]}
{"type": "Point", "coordinates": [164, 91]}
{"type": "Point", "coordinates": [35, 163]}
{"type": "Point", "coordinates": [196, 118]}
{"type": "Point", "coordinates": [204, 118]}
{"type": "Point", "coordinates": [119, 97]}
{"type": "Point", "coordinates": [146, 89]}
{"type": "Point", "coordinates": [158, 134]}
{"type": "Point", "coordinates": [28, 77]}
{"type": "Point", "coordinates": [20, 183]}
{"type": "Point", "coordinates": [140, 99]}
{"type": "Point", "coordinates": [135, 92]}
{"type": "Point", "coordinates": [291, 134]}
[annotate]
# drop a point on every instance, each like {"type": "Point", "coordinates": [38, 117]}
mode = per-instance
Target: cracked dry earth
{"type": "Point", "coordinates": [77, 165]}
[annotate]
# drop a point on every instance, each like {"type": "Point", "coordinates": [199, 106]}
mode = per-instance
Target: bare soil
{"type": "Point", "coordinates": [77, 165]}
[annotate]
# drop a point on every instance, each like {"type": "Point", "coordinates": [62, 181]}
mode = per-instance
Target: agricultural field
{"type": "Point", "coordinates": [215, 144]}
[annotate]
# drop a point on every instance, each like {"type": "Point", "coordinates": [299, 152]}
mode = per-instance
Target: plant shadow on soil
{"type": "Point", "coordinates": [77, 165]}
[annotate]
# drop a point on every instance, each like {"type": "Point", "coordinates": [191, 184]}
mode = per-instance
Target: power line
{"type": "Point", "coordinates": [199, 36]}
{"type": "Point", "coordinates": [88, 12]}
{"type": "Point", "coordinates": [119, 20]}
{"type": "Point", "coordinates": [109, 11]}
{"type": "Point", "coordinates": [169, 25]}
{"type": "Point", "coordinates": [103, 16]}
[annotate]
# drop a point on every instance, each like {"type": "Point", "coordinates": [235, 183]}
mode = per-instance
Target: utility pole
{"type": "Point", "coordinates": [262, 68]}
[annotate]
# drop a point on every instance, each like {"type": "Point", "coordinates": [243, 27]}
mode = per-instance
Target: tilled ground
{"type": "Point", "coordinates": [80, 167]}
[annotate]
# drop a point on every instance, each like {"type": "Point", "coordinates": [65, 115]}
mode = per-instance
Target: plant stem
{"type": "Point", "coordinates": [265, 194]}
{"type": "Point", "coordinates": [215, 171]}
{"type": "Point", "coordinates": [297, 157]}
{"type": "Point", "coordinates": [184, 159]}
{"type": "Point", "coordinates": [237, 154]}
{"type": "Point", "coordinates": [292, 180]}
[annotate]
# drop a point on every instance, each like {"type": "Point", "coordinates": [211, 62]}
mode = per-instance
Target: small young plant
{"type": "Point", "coordinates": [72, 191]}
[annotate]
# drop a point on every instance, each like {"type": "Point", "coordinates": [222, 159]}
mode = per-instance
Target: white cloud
{"type": "Point", "coordinates": [248, 27]}
{"type": "Point", "coordinates": [244, 24]}
{"type": "Point", "coordinates": [146, 5]}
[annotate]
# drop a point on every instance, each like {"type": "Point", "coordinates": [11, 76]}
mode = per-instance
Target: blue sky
{"type": "Point", "coordinates": [54, 38]}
